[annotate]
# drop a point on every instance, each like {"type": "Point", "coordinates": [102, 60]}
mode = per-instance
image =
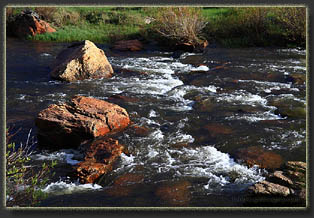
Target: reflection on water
{"type": "Point", "coordinates": [199, 109]}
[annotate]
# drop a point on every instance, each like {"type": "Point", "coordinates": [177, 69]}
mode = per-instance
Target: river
{"type": "Point", "coordinates": [199, 109]}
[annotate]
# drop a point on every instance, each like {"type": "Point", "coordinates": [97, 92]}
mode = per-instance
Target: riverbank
{"type": "Point", "coordinates": [224, 27]}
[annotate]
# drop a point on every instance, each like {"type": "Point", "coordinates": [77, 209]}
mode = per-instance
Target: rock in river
{"type": "Point", "coordinates": [281, 188]}
{"type": "Point", "coordinates": [288, 106]}
{"type": "Point", "coordinates": [128, 45]}
{"type": "Point", "coordinates": [81, 61]}
{"type": "Point", "coordinates": [83, 118]}
{"type": "Point", "coordinates": [100, 155]}
{"type": "Point", "coordinates": [255, 155]}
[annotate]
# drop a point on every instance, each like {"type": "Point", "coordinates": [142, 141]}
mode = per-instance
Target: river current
{"type": "Point", "coordinates": [199, 108]}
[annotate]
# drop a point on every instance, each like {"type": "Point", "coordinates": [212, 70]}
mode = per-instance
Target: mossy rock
{"type": "Point", "coordinates": [205, 105]}
{"type": "Point", "coordinates": [297, 78]}
{"type": "Point", "coordinates": [298, 112]}
{"type": "Point", "coordinates": [288, 107]}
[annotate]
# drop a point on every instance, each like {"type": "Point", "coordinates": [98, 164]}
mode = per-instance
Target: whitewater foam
{"type": "Point", "coordinates": [64, 155]}
{"type": "Point", "coordinates": [242, 97]}
{"type": "Point", "coordinates": [61, 187]}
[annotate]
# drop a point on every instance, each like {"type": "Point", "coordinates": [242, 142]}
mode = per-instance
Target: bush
{"type": "Point", "coordinates": [23, 181]}
{"type": "Point", "coordinates": [64, 17]}
{"type": "Point", "coordinates": [292, 21]}
{"type": "Point", "coordinates": [179, 25]}
{"type": "Point", "coordinates": [259, 26]}
{"type": "Point", "coordinates": [46, 13]}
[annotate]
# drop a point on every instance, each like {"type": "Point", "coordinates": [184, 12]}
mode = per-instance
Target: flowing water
{"type": "Point", "coordinates": [199, 110]}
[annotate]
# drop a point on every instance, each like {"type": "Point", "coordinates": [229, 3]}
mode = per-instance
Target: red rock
{"type": "Point", "coordinates": [122, 98]}
{"type": "Point", "coordinates": [258, 156]}
{"type": "Point", "coordinates": [215, 129]}
{"type": "Point", "coordinates": [174, 194]}
{"type": "Point", "coordinates": [129, 178]}
{"type": "Point", "coordinates": [125, 185]}
{"type": "Point", "coordinates": [83, 118]}
{"type": "Point", "coordinates": [140, 130]}
{"type": "Point", "coordinates": [81, 61]}
{"type": "Point", "coordinates": [25, 25]}
{"type": "Point", "coordinates": [128, 45]}
{"type": "Point", "coordinates": [99, 158]}
{"type": "Point", "coordinates": [180, 145]}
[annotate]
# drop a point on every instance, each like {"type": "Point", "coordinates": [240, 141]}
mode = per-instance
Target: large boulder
{"type": "Point", "coordinates": [81, 61]}
{"type": "Point", "coordinates": [83, 118]}
{"type": "Point", "coordinates": [28, 23]}
{"type": "Point", "coordinates": [99, 158]}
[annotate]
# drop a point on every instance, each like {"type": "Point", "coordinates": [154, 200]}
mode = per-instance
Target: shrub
{"type": "Point", "coordinates": [64, 17]}
{"type": "Point", "coordinates": [179, 25]}
{"type": "Point", "coordinates": [292, 20]}
{"type": "Point", "coordinates": [95, 17]}
{"type": "Point", "coordinates": [46, 13]}
{"type": "Point", "coordinates": [23, 181]}
{"type": "Point", "coordinates": [241, 26]}
{"type": "Point", "coordinates": [253, 21]}
{"type": "Point", "coordinates": [259, 26]}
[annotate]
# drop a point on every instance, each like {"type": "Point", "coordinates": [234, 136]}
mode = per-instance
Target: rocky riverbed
{"type": "Point", "coordinates": [202, 128]}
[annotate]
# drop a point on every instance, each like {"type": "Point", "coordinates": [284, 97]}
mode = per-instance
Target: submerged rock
{"type": "Point", "coordinates": [175, 193]}
{"type": "Point", "coordinates": [99, 158]}
{"type": "Point", "coordinates": [140, 131]}
{"type": "Point", "coordinates": [81, 61]}
{"type": "Point", "coordinates": [83, 118]}
{"type": "Point", "coordinates": [258, 156]}
{"type": "Point", "coordinates": [129, 178]}
{"type": "Point", "coordinates": [128, 45]}
{"type": "Point", "coordinates": [123, 98]}
{"type": "Point", "coordinates": [288, 107]}
{"type": "Point", "coordinates": [296, 78]}
{"type": "Point", "coordinates": [126, 185]}
{"type": "Point", "coordinates": [205, 105]}
{"type": "Point", "coordinates": [215, 129]}
{"type": "Point", "coordinates": [28, 23]}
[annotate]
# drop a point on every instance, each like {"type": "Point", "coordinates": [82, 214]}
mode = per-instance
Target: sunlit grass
{"type": "Point", "coordinates": [227, 26]}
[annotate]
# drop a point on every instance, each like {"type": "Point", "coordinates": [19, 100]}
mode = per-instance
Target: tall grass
{"type": "Point", "coordinates": [259, 26]}
{"type": "Point", "coordinates": [292, 21]}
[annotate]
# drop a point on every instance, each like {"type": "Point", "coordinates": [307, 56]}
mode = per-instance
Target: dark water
{"type": "Point", "coordinates": [200, 109]}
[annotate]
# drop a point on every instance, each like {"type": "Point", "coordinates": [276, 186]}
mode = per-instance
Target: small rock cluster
{"type": "Point", "coordinates": [282, 187]}
{"type": "Point", "coordinates": [80, 124]}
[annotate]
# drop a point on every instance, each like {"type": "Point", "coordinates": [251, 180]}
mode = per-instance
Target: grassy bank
{"type": "Point", "coordinates": [228, 27]}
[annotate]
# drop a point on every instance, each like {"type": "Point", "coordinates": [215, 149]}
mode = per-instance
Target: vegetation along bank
{"type": "Point", "coordinates": [224, 26]}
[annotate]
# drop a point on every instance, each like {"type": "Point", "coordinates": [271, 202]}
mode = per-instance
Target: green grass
{"type": "Point", "coordinates": [227, 26]}
{"type": "Point", "coordinates": [211, 14]}
{"type": "Point", "coordinates": [105, 33]}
